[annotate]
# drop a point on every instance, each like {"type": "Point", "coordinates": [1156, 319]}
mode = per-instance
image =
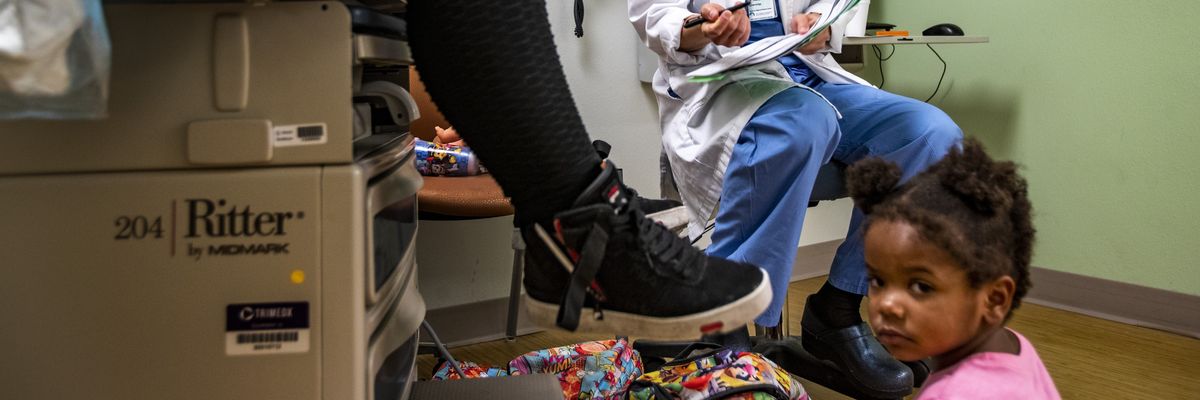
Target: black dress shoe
{"type": "Point", "coordinates": [854, 349]}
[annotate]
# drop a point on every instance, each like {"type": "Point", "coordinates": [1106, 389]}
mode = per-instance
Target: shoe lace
{"type": "Point", "coordinates": [663, 249]}
{"type": "Point", "coordinates": [667, 254]}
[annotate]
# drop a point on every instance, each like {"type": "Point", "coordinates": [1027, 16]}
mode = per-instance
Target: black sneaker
{"type": "Point", "coordinates": [670, 213]}
{"type": "Point", "coordinates": [635, 277]}
{"type": "Point", "coordinates": [653, 206]}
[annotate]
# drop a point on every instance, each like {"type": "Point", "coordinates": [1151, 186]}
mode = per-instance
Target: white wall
{"type": "Point", "coordinates": [467, 261]}
{"type": "Point", "coordinates": [601, 68]}
{"type": "Point", "coordinates": [462, 262]}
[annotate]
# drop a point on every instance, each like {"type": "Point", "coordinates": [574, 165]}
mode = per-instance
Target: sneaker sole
{"type": "Point", "coordinates": [688, 327]}
{"type": "Point", "coordinates": [675, 219]}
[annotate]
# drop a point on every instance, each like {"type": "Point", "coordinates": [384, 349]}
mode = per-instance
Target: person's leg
{"type": "Point", "coordinates": [908, 132]}
{"type": "Point", "coordinates": [914, 135]}
{"type": "Point", "coordinates": [492, 69]}
{"type": "Point", "coordinates": [767, 186]}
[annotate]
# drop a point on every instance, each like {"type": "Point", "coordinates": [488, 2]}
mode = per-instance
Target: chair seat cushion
{"type": "Point", "coordinates": [463, 196]}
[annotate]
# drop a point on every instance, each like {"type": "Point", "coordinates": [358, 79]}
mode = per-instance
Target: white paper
{"type": "Point", "coordinates": [772, 47]}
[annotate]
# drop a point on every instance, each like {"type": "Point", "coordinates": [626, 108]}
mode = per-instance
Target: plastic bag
{"type": "Point", "coordinates": [55, 58]}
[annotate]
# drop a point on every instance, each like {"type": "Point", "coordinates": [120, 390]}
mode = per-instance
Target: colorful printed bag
{"type": "Point", "coordinates": [590, 370]}
{"type": "Point", "coordinates": [445, 372]}
{"type": "Point", "coordinates": [718, 374]}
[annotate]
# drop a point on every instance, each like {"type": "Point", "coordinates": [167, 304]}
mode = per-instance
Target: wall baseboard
{"type": "Point", "coordinates": [1116, 301]}
{"type": "Point", "coordinates": [1101, 298]}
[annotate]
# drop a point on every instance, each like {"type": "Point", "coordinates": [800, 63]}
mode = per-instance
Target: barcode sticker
{"type": "Point", "coordinates": [268, 337]}
{"type": "Point", "coordinates": [298, 135]}
{"type": "Point", "coordinates": [266, 342]}
{"type": "Point", "coordinates": [266, 328]}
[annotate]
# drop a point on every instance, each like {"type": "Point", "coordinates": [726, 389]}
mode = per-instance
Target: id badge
{"type": "Point", "coordinates": [762, 9]}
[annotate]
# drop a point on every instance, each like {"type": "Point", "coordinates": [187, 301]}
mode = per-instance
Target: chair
{"type": "Point", "coordinates": [464, 198]}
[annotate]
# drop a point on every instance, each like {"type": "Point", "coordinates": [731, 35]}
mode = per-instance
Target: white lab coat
{"type": "Point", "coordinates": [702, 124]}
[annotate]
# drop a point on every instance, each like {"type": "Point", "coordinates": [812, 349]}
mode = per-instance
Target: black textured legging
{"type": "Point", "coordinates": [492, 68]}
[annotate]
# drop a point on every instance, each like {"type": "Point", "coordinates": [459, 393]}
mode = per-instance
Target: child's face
{"type": "Point", "coordinates": [921, 304]}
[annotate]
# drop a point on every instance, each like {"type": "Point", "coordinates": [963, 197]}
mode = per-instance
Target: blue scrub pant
{"type": "Point", "coordinates": [775, 162]}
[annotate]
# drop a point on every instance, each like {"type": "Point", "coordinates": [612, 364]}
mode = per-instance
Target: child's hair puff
{"type": "Point", "coordinates": [969, 205]}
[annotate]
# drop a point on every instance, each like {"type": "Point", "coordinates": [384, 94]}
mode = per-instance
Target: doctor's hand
{"type": "Point", "coordinates": [801, 23]}
{"type": "Point", "coordinates": [723, 27]}
{"type": "Point", "coordinates": [720, 27]}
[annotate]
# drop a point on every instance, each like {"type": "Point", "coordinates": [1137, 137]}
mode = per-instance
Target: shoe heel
{"type": "Point", "coordinates": [920, 370]}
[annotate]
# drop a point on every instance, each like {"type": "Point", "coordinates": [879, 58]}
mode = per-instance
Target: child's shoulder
{"type": "Point", "coordinates": [975, 378]}
{"type": "Point", "coordinates": [993, 376]}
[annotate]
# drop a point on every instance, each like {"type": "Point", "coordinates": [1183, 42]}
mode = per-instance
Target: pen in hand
{"type": "Point", "coordinates": [697, 20]}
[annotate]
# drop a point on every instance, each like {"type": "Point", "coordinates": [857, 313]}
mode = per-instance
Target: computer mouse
{"type": "Point", "coordinates": [946, 29]}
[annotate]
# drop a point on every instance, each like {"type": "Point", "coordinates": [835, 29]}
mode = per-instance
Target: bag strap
{"type": "Point", "coordinates": [707, 350]}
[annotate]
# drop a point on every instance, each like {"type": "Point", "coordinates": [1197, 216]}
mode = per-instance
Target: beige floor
{"type": "Point", "coordinates": [1089, 358]}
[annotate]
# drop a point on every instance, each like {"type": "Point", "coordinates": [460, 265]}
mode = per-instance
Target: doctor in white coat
{"type": "Point", "coordinates": [755, 140]}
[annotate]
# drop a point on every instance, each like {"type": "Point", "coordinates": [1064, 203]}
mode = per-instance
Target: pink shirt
{"type": "Point", "coordinates": [993, 376]}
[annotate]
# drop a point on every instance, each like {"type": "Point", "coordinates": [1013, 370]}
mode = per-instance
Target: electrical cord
{"type": "Point", "coordinates": [441, 349]}
{"type": "Point", "coordinates": [578, 18]}
{"type": "Point", "coordinates": [879, 56]}
{"type": "Point", "coordinates": [883, 78]}
{"type": "Point", "coordinates": [944, 67]}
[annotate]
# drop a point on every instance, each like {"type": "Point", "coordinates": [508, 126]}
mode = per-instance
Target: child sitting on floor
{"type": "Point", "coordinates": [948, 257]}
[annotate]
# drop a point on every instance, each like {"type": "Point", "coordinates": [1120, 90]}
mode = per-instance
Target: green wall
{"type": "Point", "coordinates": [1099, 100]}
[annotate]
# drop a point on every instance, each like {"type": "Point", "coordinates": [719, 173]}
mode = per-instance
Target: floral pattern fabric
{"type": "Point", "coordinates": [720, 374]}
{"type": "Point", "coordinates": [591, 370]}
{"type": "Point", "coordinates": [472, 370]}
